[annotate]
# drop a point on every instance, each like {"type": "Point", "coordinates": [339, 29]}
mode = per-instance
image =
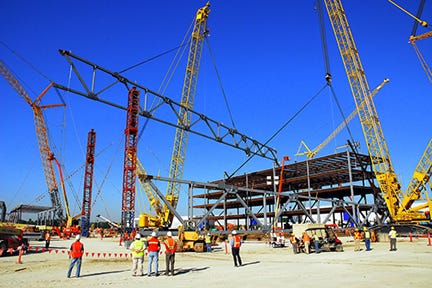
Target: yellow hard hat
{"type": "Point", "coordinates": [392, 228]}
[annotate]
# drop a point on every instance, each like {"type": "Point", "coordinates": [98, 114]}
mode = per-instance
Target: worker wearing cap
{"type": "Point", "coordinates": [137, 248]}
{"type": "Point", "coordinates": [357, 238]}
{"type": "Point", "coordinates": [170, 249]}
{"type": "Point", "coordinates": [367, 237]}
{"type": "Point", "coordinates": [235, 248]}
{"type": "Point", "coordinates": [208, 242]}
{"type": "Point", "coordinates": [75, 253]}
{"type": "Point", "coordinates": [392, 236]}
{"type": "Point", "coordinates": [153, 247]}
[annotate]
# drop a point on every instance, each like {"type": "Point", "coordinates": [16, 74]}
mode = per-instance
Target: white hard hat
{"type": "Point", "coordinates": [78, 237]}
{"type": "Point", "coordinates": [234, 232]}
{"type": "Point", "coordinates": [138, 236]}
{"type": "Point", "coordinates": [153, 234]}
{"type": "Point", "coordinates": [169, 234]}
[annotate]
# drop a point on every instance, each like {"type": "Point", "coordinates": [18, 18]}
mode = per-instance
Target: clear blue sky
{"type": "Point", "coordinates": [269, 57]}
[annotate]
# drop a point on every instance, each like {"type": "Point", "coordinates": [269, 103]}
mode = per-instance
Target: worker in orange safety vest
{"type": "Point", "coordinates": [47, 239]}
{"type": "Point", "coordinates": [76, 252]}
{"type": "Point", "coordinates": [153, 247]}
{"type": "Point", "coordinates": [357, 238]}
{"type": "Point", "coordinates": [170, 249]}
{"type": "Point", "coordinates": [306, 241]}
{"type": "Point", "coordinates": [294, 243]}
{"type": "Point", "coordinates": [235, 248]}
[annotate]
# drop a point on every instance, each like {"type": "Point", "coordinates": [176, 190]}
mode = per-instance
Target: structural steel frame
{"type": "Point", "coordinates": [315, 191]}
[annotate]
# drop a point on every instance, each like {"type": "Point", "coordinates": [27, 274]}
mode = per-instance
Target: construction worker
{"type": "Point", "coordinates": [153, 247]}
{"type": "Point", "coordinates": [392, 236]}
{"type": "Point", "coordinates": [294, 243]}
{"type": "Point", "coordinates": [47, 239]}
{"type": "Point", "coordinates": [316, 242]}
{"type": "Point", "coordinates": [170, 249]}
{"type": "Point", "coordinates": [306, 241]}
{"type": "Point", "coordinates": [137, 248]}
{"type": "Point", "coordinates": [236, 243]}
{"type": "Point", "coordinates": [357, 238]}
{"type": "Point", "coordinates": [367, 237]}
{"type": "Point", "coordinates": [75, 253]}
{"type": "Point", "coordinates": [208, 242]}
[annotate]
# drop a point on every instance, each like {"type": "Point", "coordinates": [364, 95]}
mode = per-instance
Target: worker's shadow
{"type": "Point", "coordinates": [102, 273]}
{"type": "Point", "coordinates": [188, 270]}
{"type": "Point", "coordinates": [251, 263]}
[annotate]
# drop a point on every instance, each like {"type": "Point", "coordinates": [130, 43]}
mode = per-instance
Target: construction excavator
{"type": "Point", "coordinates": [400, 204]}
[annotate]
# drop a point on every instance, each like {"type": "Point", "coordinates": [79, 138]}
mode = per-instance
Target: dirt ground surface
{"type": "Point", "coordinates": [409, 266]}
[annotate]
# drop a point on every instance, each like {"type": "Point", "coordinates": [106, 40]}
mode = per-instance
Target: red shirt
{"type": "Point", "coordinates": [77, 249]}
{"type": "Point", "coordinates": [153, 245]}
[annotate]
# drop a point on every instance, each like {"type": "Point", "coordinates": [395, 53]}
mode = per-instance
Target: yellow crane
{"type": "Point", "coordinates": [164, 215]}
{"type": "Point", "coordinates": [311, 153]}
{"type": "Point", "coordinates": [398, 203]}
{"type": "Point", "coordinates": [413, 38]}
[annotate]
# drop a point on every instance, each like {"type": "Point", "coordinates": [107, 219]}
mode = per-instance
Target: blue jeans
{"type": "Point", "coordinates": [316, 243]}
{"type": "Point", "coordinates": [208, 247]}
{"type": "Point", "coordinates": [78, 268]}
{"type": "Point", "coordinates": [151, 256]}
{"type": "Point", "coordinates": [367, 244]}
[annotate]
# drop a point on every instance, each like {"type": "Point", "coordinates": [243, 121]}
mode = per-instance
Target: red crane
{"type": "Point", "coordinates": [129, 170]}
{"type": "Point", "coordinates": [42, 136]}
{"type": "Point", "coordinates": [88, 183]}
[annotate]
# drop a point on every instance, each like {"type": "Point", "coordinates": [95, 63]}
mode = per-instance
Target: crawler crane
{"type": "Point", "coordinates": [164, 216]}
{"type": "Point", "coordinates": [42, 136]}
{"type": "Point", "coordinates": [399, 204]}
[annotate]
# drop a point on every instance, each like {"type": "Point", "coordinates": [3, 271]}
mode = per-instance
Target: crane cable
{"type": "Point", "coordinates": [328, 75]}
{"type": "Point", "coordinates": [279, 130]}
{"type": "Point", "coordinates": [220, 83]}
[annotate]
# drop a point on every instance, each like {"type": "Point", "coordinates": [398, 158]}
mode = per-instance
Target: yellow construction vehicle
{"type": "Point", "coordinates": [163, 217]}
{"type": "Point", "coordinates": [399, 204]}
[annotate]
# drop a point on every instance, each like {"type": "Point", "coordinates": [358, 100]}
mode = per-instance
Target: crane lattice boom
{"type": "Point", "coordinates": [42, 136]}
{"type": "Point", "coordinates": [187, 101]}
{"type": "Point", "coordinates": [377, 146]}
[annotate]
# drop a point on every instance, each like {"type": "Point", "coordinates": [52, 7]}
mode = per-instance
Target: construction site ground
{"type": "Point", "coordinates": [409, 266]}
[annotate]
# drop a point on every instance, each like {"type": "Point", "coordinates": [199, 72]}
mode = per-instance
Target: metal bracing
{"type": "Point", "coordinates": [216, 131]}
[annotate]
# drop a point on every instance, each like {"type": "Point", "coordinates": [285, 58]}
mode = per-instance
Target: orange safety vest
{"type": "Point", "coordinates": [77, 249]}
{"type": "Point", "coordinates": [47, 236]}
{"type": "Point", "coordinates": [153, 245]}
{"type": "Point", "coordinates": [306, 237]}
{"type": "Point", "coordinates": [357, 235]}
{"type": "Point", "coordinates": [237, 242]}
{"type": "Point", "coordinates": [170, 245]}
{"type": "Point", "coordinates": [293, 240]}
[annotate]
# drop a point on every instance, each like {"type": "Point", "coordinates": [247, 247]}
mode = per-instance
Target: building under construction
{"type": "Point", "coordinates": [338, 188]}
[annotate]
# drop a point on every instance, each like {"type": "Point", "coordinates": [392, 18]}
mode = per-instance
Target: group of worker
{"type": "Point", "coordinates": [153, 247]}
{"type": "Point", "coordinates": [305, 241]}
{"type": "Point", "coordinates": [368, 237]}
